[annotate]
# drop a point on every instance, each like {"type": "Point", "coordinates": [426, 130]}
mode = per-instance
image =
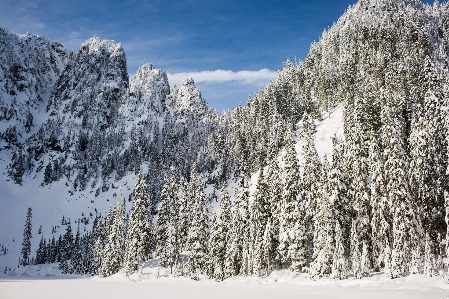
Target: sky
{"type": "Point", "coordinates": [231, 49]}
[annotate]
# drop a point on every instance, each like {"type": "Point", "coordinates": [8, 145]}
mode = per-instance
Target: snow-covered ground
{"type": "Point", "coordinates": [45, 281]}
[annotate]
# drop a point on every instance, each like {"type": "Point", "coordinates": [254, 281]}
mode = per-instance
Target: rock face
{"type": "Point", "coordinates": [29, 68]}
{"type": "Point", "coordinates": [91, 86]}
{"type": "Point", "coordinates": [188, 97]}
{"type": "Point", "coordinates": [148, 91]}
{"type": "Point", "coordinates": [98, 126]}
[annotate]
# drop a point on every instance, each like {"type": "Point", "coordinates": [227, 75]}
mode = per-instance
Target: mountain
{"type": "Point", "coordinates": [30, 67]}
{"type": "Point", "coordinates": [343, 157]}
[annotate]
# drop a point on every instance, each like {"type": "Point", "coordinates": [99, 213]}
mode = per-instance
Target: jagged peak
{"type": "Point", "coordinates": [187, 81]}
{"type": "Point", "coordinates": [95, 46]}
{"type": "Point", "coordinates": [149, 69]}
{"type": "Point", "coordinates": [146, 67]}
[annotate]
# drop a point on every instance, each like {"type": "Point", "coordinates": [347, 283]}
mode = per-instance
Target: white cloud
{"type": "Point", "coordinates": [261, 76]}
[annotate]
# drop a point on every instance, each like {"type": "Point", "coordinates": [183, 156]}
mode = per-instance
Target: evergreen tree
{"type": "Point", "coordinates": [292, 232]}
{"type": "Point", "coordinates": [428, 257]}
{"type": "Point", "coordinates": [259, 213]}
{"type": "Point", "coordinates": [198, 235]}
{"type": "Point", "coordinates": [217, 251]}
{"type": "Point", "coordinates": [99, 240]}
{"type": "Point", "coordinates": [40, 253]}
{"type": "Point", "coordinates": [356, 254]}
{"type": "Point", "coordinates": [323, 241]}
{"type": "Point", "coordinates": [275, 192]}
{"type": "Point", "coordinates": [339, 263]}
{"type": "Point", "coordinates": [381, 221]}
{"type": "Point", "coordinates": [311, 170]}
{"type": "Point", "coordinates": [167, 245]}
{"type": "Point", "coordinates": [219, 238]}
{"type": "Point", "coordinates": [237, 233]}
{"type": "Point", "coordinates": [338, 190]}
{"type": "Point", "coordinates": [66, 249]}
{"type": "Point", "coordinates": [26, 243]}
{"type": "Point", "coordinates": [183, 223]}
{"type": "Point", "coordinates": [139, 234]}
{"type": "Point", "coordinates": [406, 223]}
{"type": "Point", "coordinates": [115, 246]}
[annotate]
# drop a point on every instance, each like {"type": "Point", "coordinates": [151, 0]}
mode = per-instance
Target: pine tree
{"type": "Point", "coordinates": [311, 171]}
{"type": "Point", "coordinates": [338, 190]}
{"type": "Point", "coordinates": [26, 244]}
{"type": "Point", "coordinates": [99, 240]}
{"type": "Point", "coordinates": [173, 241]}
{"type": "Point", "coordinates": [66, 249]}
{"type": "Point", "coordinates": [292, 232]}
{"type": "Point", "coordinates": [40, 253]}
{"type": "Point", "coordinates": [339, 263]}
{"type": "Point", "coordinates": [435, 150]}
{"type": "Point", "coordinates": [356, 254]}
{"type": "Point", "coordinates": [217, 251]}
{"type": "Point", "coordinates": [198, 235]}
{"type": "Point", "coordinates": [219, 238]}
{"type": "Point", "coordinates": [365, 260]}
{"type": "Point", "coordinates": [234, 258]}
{"type": "Point", "coordinates": [267, 248]}
{"type": "Point", "coordinates": [275, 191]}
{"type": "Point", "coordinates": [428, 257]}
{"type": "Point", "coordinates": [406, 223]}
{"type": "Point", "coordinates": [387, 261]}
{"type": "Point", "coordinates": [381, 221]}
{"type": "Point", "coordinates": [168, 213]}
{"type": "Point", "coordinates": [115, 246]}
{"type": "Point", "coordinates": [323, 241]}
{"type": "Point", "coordinates": [139, 234]}
{"type": "Point", "coordinates": [259, 213]}
{"type": "Point", "coordinates": [184, 214]}
{"type": "Point", "coordinates": [163, 219]}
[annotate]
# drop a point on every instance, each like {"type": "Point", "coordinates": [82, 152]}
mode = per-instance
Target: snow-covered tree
{"type": "Point", "coordinates": [406, 222]}
{"type": "Point", "coordinates": [428, 257]}
{"type": "Point", "coordinates": [115, 246]}
{"type": "Point", "coordinates": [139, 234]}
{"type": "Point", "coordinates": [216, 251]}
{"type": "Point", "coordinates": [292, 231]}
{"type": "Point", "coordinates": [167, 223]}
{"type": "Point", "coordinates": [184, 208]}
{"type": "Point", "coordinates": [238, 232]}
{"type": "Point", "coordinates": [198, 235]}
{"type": "Point", "coordinates": [323, 240]}
{"type": "Point", "coordinates": [26, 243]}
{"type": "Point", "coordinates": [339, 263]}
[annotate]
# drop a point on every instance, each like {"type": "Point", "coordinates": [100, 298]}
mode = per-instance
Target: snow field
{"type": "Point", "coordinates": [45, 281]}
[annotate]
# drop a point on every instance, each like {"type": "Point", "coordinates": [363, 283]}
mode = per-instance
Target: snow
{"type": "Point", "coordinates": [158, 283]}
{"type": "Point", "coordinates": [330, 126]}
{"type": "Point", "coordinates": [49, 204]}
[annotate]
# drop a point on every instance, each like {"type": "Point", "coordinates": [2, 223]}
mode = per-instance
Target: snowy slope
{"type": "Point", "coordinates": [330, 126]}
{"type": "Point", "coordinates": [49, 204]}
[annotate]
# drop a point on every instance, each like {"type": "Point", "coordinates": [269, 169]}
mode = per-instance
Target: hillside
{"type": "Point", "coordinates": [336, 169]}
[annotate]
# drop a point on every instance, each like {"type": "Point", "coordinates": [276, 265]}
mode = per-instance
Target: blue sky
{"type": "Point", "coordinates": [249, 39]}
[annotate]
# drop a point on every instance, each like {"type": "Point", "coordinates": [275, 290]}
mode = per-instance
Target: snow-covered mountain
{"type": "Point", "coordinates": [30, 65]}
{"type": "Point", "coordinates": [96, 129]}
{"type": "Point", "coordinates": [343, 157]}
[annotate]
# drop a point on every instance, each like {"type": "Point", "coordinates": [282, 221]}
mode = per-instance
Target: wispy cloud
{"type": "Point", "coordinates": [217, 76]}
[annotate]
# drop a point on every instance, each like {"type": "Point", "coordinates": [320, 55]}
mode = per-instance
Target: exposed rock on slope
{"type": "Point", "coordinates": [29, 68]}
